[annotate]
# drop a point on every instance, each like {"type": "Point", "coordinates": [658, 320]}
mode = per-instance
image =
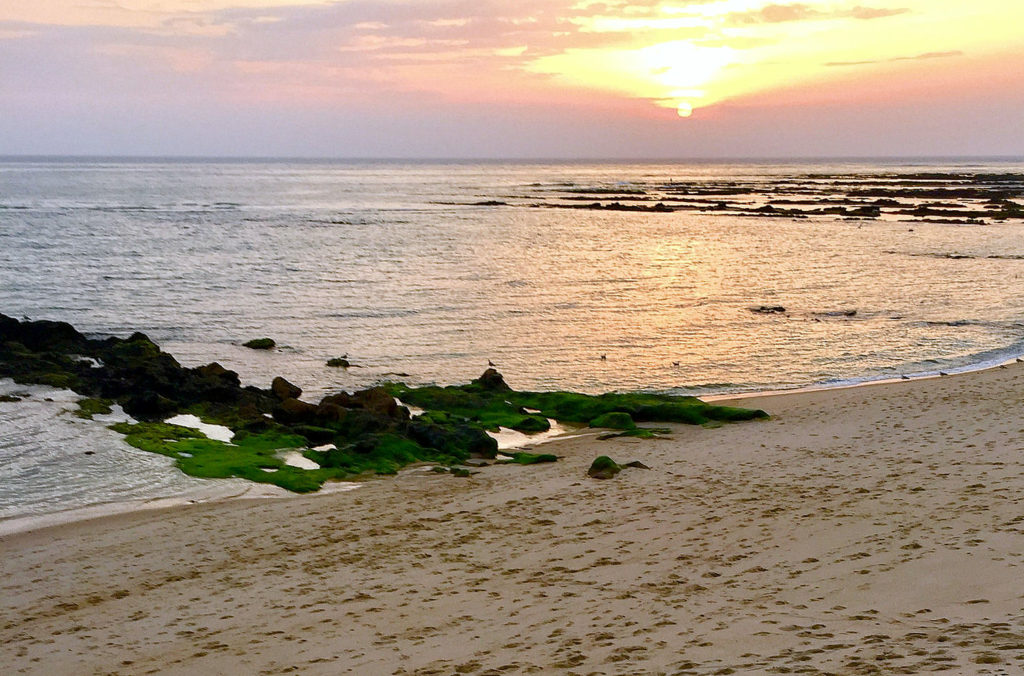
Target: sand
{"type": "Point", "coordinates": [865, 530]}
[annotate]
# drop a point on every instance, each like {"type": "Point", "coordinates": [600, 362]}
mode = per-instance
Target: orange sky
{"type": "Point", "coordinates": [626, 63]}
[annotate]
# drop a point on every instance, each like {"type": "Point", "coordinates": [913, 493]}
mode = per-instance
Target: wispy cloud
{"type": "Point", "coordinates": [803, 12]}
{"type": "Point", "coordinates": [917, 57]}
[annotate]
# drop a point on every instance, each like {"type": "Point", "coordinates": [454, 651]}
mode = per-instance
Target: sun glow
{"type": "Point", "coordinates": [685, 56]}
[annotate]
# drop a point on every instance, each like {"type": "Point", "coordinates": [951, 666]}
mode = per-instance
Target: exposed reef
{"type": "Point", "coordinates": [953, 198]}
{"type": "Point", "coordinates": [344, 435]}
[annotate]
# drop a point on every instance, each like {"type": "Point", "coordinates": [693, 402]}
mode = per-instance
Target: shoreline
{"type": "Point", "coordinates": [254, 491]}
{"type": "Point", "coordinates": [858, 528]}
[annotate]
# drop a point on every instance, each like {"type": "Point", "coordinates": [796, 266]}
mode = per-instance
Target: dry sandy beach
{"type": "Point", "coordinates": [866, 530]}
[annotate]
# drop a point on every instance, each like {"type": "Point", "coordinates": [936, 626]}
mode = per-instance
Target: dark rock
{"type": "Point", "coordinates": [338, 362]}
{"type": "Point", "coordinates": [283, 389]}
{"type": "Point", "coordinates": [492, 380]}
{"type": "Point", "coordinates": [331, 412]}
{"type": "Point", "coordinates": [453, 439]}
{"type": "Point", "coordinates": [149, 405]}
{"type": "Point", "coordinates": [314, 435]}
{"type": "Point", "coordinates": [603, 467]}
{"type": "Point", "coordinates": [379, 401]}
{"type": "Point", "coordinates": [636, 464]}
{"type": "Point", "coordinates": [260, 344]}
{"type": "Point", "coordinates": [768, 309]}
{"type": "Point", "coordinates": [292, 411]}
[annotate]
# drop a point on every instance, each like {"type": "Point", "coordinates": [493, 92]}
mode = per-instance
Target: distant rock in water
{"type": "Point", "coordinates": [768, 310]}
{"type": "Point", "coordinates": [338, 362]}
{"type": "Point", "coordinates": [260, 344]}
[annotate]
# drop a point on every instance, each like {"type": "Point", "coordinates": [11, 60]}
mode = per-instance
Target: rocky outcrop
{"type": "Point", "coordinates": [283, 389]}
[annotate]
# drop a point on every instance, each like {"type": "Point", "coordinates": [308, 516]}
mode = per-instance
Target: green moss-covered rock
{"type": "Point", "coordinates": [638, 433]}
{"type": "Point", "coordinates": [531, 424]}
{"type": "Point", "coordinates": [91, 406]}
{"type": "Point", "coordinates": [249, 456]}
{"type": "Point", "coordinates": [523, 458]}
{"type": "Point", "coordinates": [338, 362]}
{"type": "Point", "coordinates": [362, 433]}
{"type": "Point", "coordinates": [260, 344]}
{"type": "Point", "coordinates": [488, 404]}
{"type": "Point", "coordinates": [603, 467]}
{"type": "Point", "coordinates": [616, 420]}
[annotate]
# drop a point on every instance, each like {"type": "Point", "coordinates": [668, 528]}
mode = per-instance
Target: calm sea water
{"type": "Point", "coordinates": [402, 268]}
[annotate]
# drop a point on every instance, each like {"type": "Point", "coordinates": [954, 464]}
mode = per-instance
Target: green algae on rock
{"type": "Point", "coordinates": [91, 406]}
{"type": "Point", "coordinates": [603, 467]}
{"type": "Point", "coordinates": [491, 403]}
{"type": "Point", "coordinates": [347, 435]}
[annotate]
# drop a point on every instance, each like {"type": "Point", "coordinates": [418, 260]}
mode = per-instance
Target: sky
{"type": "Point", "coordinates": [658, 79]}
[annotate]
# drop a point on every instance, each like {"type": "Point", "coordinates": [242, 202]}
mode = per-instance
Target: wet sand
{"type": "Point", "coordinates": [860, 531]}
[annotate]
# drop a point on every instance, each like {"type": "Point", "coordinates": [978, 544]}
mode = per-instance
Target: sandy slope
{"type": "Point", "coordinates": [867, 530]}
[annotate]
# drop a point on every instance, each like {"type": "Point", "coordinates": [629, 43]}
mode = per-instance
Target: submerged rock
{"type": "Point", "coordinates": [260, 344]}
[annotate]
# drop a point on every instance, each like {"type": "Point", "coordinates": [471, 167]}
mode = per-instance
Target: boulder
{"type": "Point", "coordinates": [292, 411]}
{"type": "Point", "coordinates": [260, 344]}
{"type": "Point", "coordinates": [283, 389]}
{"type": "Point", "coordinates": [603, 467]}
{"type": "Point", "coordinates": [616, 420]}
{"type": "Point", "coordinates": [492, 380]}
{"type": "Point", "coordinates": [331, 412]}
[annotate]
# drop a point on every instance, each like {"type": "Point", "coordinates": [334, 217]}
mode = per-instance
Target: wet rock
{"type": "Point", "coordinates": [636, 464]}
{"type": "Point", "coordinates": [292, 411]}
{"type": "Point", "coordinates": [768, 309]}
{"type": "Point", "coordinates": [283, 389]}
{"type": "Point", "coordinates": [492, 380]}
{"type": "Point", "coordinates": [260, 344]}
{"type": "Point", "coordinates": [338, 362]}
{"type": "Point", "coordinates": [331, 412]}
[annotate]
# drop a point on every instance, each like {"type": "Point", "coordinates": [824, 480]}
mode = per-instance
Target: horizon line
{"type": "Point", "coordinates": [25, 157]}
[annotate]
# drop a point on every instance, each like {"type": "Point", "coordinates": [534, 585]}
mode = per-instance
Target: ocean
{"type": "Point", "coordinates": [699, 278]}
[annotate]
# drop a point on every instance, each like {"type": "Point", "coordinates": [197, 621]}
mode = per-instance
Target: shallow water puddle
{"type": "Point", "coordinates": [296, 459]}
{"type": "Point", "coordinates": [508, 438]}
{"type": "Point", "coordinates": [215, 432]}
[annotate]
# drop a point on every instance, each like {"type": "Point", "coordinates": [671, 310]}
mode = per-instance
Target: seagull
{"type": "Point", "coordinates": [490, 363]}
{"type": "Point", "coordinates": [905, 377]}
{"type": "Point", "coordinates": [604, 357]}
{"type": "Point", "coordinates": [675, 363]}
{"type": "Point", "coordinates": [943, 373]}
